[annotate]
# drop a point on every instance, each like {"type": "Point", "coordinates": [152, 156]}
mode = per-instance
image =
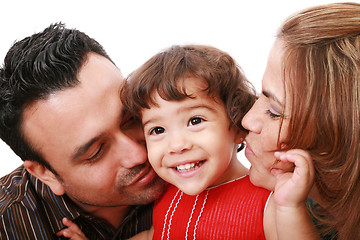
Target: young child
{"type": "Point", "coordinates": [191, 100]}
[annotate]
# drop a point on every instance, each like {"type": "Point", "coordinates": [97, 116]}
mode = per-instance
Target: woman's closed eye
{"type": "Point", "coordinates": [272, 114]}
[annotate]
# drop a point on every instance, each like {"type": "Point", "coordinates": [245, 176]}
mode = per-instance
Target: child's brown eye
{"type": "Point", "coordinates": [157, 130]}
{"type": "Point", "coordinates": [195, 121]}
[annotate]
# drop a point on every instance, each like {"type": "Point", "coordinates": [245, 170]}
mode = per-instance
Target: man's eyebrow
{"type": "Point", "coordinates": [81, 150]}
{"type": "Point", "coordinates": [271, 96]}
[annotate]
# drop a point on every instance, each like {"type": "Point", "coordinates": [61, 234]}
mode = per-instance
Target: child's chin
{"type": "Point", "coordinates": [191, 191]}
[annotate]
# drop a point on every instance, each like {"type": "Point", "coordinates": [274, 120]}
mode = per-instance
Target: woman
{"type": "Point", "coordinates": [311, 100]}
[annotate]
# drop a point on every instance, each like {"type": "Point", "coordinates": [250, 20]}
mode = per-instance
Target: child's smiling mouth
{"type": "Point", "coordinates": [189, 166]}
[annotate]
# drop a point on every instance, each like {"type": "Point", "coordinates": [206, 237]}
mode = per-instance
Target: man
{"type": "Point", "coordinates": [84, 155]}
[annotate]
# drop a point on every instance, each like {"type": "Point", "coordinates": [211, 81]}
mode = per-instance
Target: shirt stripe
{"type": "Point", "coordinates": [30, 210]}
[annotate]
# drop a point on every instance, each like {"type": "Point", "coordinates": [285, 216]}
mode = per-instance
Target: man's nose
{"type": "Point", "coordinates": [130, 151]}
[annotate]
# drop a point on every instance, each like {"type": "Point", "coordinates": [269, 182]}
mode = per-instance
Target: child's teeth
{"type": "Point", "coordinates": [185, 167]}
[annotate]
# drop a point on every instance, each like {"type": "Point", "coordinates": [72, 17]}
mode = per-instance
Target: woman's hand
{"type": "Point", "coordinates": [292, 188]}
{"type": "Point", "coordinates": [291, 191]}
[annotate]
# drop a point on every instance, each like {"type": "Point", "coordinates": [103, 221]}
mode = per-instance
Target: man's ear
{"type": "Point", "coordinates": [45, 175]}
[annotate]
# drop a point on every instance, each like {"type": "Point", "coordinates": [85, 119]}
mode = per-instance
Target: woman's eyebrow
{"type": "Point", "coordinates": [271, 96]}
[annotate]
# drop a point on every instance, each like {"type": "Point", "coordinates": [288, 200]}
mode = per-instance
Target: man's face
{"type": "Point", "coordinates": [96, 149]}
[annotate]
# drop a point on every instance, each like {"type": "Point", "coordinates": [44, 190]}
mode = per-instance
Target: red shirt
{"type": "Point", "coordinates": [233, 210]}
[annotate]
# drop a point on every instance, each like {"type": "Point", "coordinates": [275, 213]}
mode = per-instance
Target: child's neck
{"type": "Point", "coordinates": [234, 171]}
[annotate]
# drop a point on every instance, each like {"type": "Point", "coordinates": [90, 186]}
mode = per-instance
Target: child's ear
{"type": "Point", "coordinates": [240, 135]}
{"type": "Point", "coordinates": [45, 175]}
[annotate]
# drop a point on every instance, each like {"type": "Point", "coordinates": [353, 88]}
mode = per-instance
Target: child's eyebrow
{"type": "Point", "coordinates": [191, 107]}
{"type": "Point", "coordinates": [200, 106]}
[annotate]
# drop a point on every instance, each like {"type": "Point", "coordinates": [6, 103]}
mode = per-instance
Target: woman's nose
{"type": "Point", "coordinates": [252, 119]}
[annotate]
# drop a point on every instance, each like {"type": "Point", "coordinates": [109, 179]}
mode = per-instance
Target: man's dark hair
{"type": "Point", "coordinates": [34, 68]}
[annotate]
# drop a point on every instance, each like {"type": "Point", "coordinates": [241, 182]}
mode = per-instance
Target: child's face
{"type": "Point", "coordinates": [189, 142]}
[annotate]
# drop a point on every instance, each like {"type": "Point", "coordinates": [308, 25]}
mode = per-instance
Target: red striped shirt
{"type": "Point", "coordinates": [233, 210]}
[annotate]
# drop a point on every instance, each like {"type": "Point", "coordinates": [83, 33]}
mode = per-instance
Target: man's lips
{"type": "Point", "coordinates": [146, 176]}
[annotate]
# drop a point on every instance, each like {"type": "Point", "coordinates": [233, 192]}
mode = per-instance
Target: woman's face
{"type": "Point", "coordinates": [264, 120]}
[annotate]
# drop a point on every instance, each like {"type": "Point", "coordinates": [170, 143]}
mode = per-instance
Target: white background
{"type": "Point", "coordinates": [132, 31]}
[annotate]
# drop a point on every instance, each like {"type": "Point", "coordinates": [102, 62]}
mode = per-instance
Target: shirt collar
{"type": "Point", "coordinates": [56, 207]}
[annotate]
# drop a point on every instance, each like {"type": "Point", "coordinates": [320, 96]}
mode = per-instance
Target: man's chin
{"type": "Point", "coordinates": [155, 189]}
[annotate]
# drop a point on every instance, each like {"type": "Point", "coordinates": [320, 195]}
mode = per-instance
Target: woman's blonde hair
{"type": "Point", "coordinates": [322, 74]}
